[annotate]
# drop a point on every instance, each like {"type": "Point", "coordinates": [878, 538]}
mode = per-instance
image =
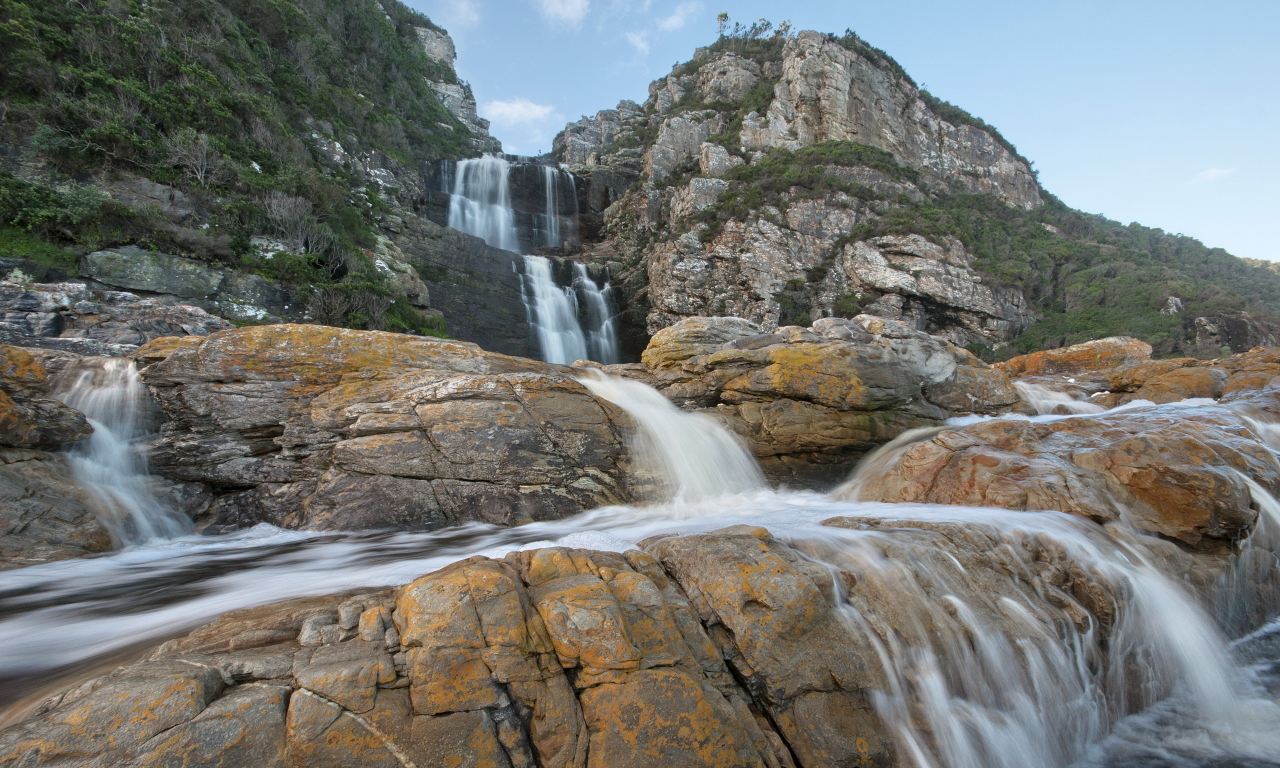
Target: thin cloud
{"type": "Point", "coordinates": [570, 12]}
{"type": "Point", "coordinates": [640, 40]}
{"type": "Point", "coordinates": [513, 112]}
{"type": "Point", "coordinates": [678, 17]}
{"type": "Point", "coordinates": [460, 13]}
{"type": "Point", "coordinates": [1211, 174]}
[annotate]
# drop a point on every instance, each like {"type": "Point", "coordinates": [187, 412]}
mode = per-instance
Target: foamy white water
{"type": "Point", "coordinates": [553, 312]}
{"type": "Point", "coordinates": [1047, 401]}
{"type": "Point", "coordinates": [480, 203]}
{"type": "Point", "coordinates": [693, 454]}
{"type": "Point", "coordinates": [110, 464]}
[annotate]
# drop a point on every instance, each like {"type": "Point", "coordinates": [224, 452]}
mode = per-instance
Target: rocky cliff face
{"type": "Point", "coordinates": [691, 149]}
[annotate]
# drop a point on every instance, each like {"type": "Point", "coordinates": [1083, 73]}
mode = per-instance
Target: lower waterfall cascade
{"type": "Point", "coordinates": [576, 320]}
{"type": "Point", "coordinates": [109, 463]}
{"type": "Point", "coordinates": [987, 672]}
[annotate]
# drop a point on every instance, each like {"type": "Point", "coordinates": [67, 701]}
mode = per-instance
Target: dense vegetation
{"type": "Point", "coordinates": [236, 102]}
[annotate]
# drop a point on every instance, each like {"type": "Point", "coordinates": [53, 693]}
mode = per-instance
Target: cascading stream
{"type": "Point", "coordinates": [994, 638]}
{"type": "Point", "coordinates": [572, 322]}
{"type": "Point", "coordinates": [109, 464]}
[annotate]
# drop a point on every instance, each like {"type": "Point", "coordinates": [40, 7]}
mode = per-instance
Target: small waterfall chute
{"type": "Point", "coordinates": [691, 454]}
{"type": "Point", "coordinates": [1048, 401]}
{"type": "Point", "coordinates": [600, 320]}
{"type": "Point", "coordinates": [110, 464]}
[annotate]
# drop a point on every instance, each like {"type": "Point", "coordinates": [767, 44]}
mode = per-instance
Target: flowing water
{"type": "Point", "coordinates": [480, 203]}
{"type": "Point", "coordinates": [1051, 401]}
{"type": "Point", "coordinates": [574, 321]}
{"type": "Point", "coordinates": [983, 662]}
{"type": "Point", "coordinates": [110, 464]}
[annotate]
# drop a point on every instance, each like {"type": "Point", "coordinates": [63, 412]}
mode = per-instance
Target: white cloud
{"type": "Point", "coordinates": [640, 40]}
{"type": "Point", "coordinates": [570, 12]}
{"type": "Point", "coordinates": [678, 17]}
{"type": "Point", "coordinates": [459, 13]}
{"type": "Point", "coordinates": [517, 112]}
{"type": "Point", "coordinates": [1211, 174]}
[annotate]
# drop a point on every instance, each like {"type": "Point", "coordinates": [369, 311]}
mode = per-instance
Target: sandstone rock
{"type": "Point", "coordinates": [727, 648]}
{"type": "Point", "coordinates": [695, 336]}
{"type": "Point", "coordinates": [679, 140]}
{"type": "Point", "coordinates": [1112, 352]}
{"type": "Point", "coordinates": [44, 514]}
{"type": "Point", "coordinates": [715, 161]}
{"type": "Point", "coordinates": [336, 430]}
{"type": "Point", "coordinates": [28, 417]}
{"type": "Point", "coordinates": [809, 402]}
{"type": "Point", "coordinates": [1174, 473]}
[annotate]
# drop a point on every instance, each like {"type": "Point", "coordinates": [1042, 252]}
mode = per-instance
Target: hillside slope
{"type": "Point", "coordinates": [783, 178]}
{"type": "Point", "coordinates": [292, 140]}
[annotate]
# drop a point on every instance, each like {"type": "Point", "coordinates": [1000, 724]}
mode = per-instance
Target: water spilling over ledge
{"type": "Point", "coordinates": [574, 318]}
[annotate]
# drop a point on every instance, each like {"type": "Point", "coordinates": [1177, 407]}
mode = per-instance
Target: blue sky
{"type": "Point", "coordinates": [1165, 113]}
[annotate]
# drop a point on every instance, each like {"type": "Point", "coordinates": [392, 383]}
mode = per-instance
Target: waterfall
{"type": "Point", "coordinates": [691, 454]}
{"type": "Point", "coordinates": [553, 312]}
{"type": "Point", "coordinates": [480, 204]}
{"type": "Point", "coordinates": [601, 318]}
{"type": "Point", "coordinates": [572, 322]}
{"type": "Point", "coordinates": [110, 464]}
{"type": "Point", "coordinates": [1048, 401]}
{"type": "Point", "coordinates": [551, 219]}
{"type": "Point", "coordinates": [565, 331]}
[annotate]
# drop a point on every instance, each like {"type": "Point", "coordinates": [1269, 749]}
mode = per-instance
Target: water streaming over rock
{"type": "Point", "coordinates": [558, 188]}
{"type": "Point", "coordinates": [552, 310]}
{"type": "Point", "coordinates": [992, 638]}
{"type": "Point", "coordinates": [1051, 401]}
{"type": "Point", "coordinates": [692, 454]}
{"type": "Point", "coordinates": [480, 203]}
{"type": "Point", "coordinates": [110, 464]}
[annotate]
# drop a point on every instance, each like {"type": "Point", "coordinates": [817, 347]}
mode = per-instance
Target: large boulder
{"type": "Point", "coordinates": [29, 418]}
{"type": "Point", "coordinates": [1111, 352]}
{"type": "Point", "coordinates": [1182, 474]}
{"type": "Point", "coordinates": [727, 648]}
{"type": "Point", "coordinates": [327, 428]}
{"type": "Point", "coordinates": [809, 402]}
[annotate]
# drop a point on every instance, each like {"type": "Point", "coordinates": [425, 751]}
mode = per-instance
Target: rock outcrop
{"type": "Point", "coordinates": [727, 648]}
{"type": "Point", "coordinates": [810, 401]}
{"type": "Point", "coordinates": [79, 320]}
{"type": "Point", "coordinates": [1111, 352]}
{"type": "Point", "coordinates": [654, 175]}
{"type": "Point", "coordinates": [333, 429]}
{"type": "Point", "coordinates": [454, 94]}
{"type": "Point", "coordinates": [44, 514]}
{"type": "Point", "coordinates": [1177, 473]}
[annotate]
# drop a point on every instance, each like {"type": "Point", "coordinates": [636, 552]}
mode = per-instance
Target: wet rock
{"type": "Point", "coordinates": [29, 418]}
{"type": "Point", "coordinates": [727, 648]}
{"type": "Point", "coordinates": [810, 401]}
{"type": "Point", "coordinates": [45, 514]}
{"type": "Point", "coordinates": [1112, 352]}
{"type": "Point", "coordinates": [1177, 473]}
{"type": "Point", "coordinates": [333, 429]}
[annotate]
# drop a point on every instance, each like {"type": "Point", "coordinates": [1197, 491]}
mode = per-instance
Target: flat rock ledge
{"type": "Point", "coordinates": [719, 649]}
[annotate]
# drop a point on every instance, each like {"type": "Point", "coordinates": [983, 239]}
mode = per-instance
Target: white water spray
{"type": "Point", "coordinates": [600, 325]}
{"type": "Point", "coordinates": [109, 463]}
{"type": "Point", "coordinates": [692, 454]}
{"type": "Point", "coordinates": [1048, 401]}
{"type": "Point", "coordinates": [552, 310]}
{"type": "Point", "coordinates": [480, 203]}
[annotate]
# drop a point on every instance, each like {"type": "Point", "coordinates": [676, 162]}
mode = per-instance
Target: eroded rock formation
{"type": "Point", "coordinates": [728, 648]}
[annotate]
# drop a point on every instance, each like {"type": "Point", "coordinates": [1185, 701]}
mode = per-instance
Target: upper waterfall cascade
{"type": "Point", "coordinates": [574, 318]}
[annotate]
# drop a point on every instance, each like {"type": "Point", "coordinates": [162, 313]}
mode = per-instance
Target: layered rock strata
{"type": "Point", "coordinates": [721, 649]}
{"type": "Point", "coordinates": [75, 319]}
{"type": "Point", "coordinates": [326, 428]}
{"type": "Point", "coordinates": [810, 401]}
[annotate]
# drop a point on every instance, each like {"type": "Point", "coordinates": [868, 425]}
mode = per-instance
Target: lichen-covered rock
{"type": "Point", "coordinates": [1176, 473]}
{"type": "Point", "coordinates": [29, 418]}
{"type": "Point", "coordinates": [810, 401]}
{"type": "Point", "coordinates": [325, 428]}
{"type": "Point", "coordinates": [1111, 352]}
{"type": "Point", "coordinates": [727, 649]}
